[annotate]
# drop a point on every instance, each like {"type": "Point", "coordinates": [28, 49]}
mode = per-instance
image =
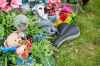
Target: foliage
{"type": "Point", "coordinates": [6, 20]}
{"type": "Point", "coordinates": [41, 49]}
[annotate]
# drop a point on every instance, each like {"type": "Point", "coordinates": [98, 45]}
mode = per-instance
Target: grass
{"type": "Point", "coordinates": [85, 50]}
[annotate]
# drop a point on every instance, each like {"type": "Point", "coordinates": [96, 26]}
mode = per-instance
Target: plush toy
{"type": "Point", "coordinates": [20, 22]}
{"type": "Point", "coordinates": [18, 39]}
{"type": "Point", "coordinates": [44, 22]}
{"type": "Point", "coordinates": [22, 52]}
{"type": "Point", "coordinates": [66, 15]}
{"type": "Point", "coordinates": [8, 50]}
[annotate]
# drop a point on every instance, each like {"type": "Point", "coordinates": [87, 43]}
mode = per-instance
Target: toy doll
{"type": "Point", "coordinates": [65, 16]}
{"type": "Point", "coordinates": [34, 2]}
{"type": "Point", "coordinates": [18, 39]}
{"type": "Point", "coordinates": [67, 29]}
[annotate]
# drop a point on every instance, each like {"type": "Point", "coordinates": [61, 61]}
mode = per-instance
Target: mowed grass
{"type": "Point", "coordinates": [85, 50]}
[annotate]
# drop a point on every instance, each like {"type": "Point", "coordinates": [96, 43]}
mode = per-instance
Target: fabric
{"type": "Point", "coordinates": [53, 18]}
{"type": "Point", "coordinates": [7, 50]}
{"type": "Point", "coordinates": [66, 33]}
{"type": "Point", "coordinates": [63, 17]}
{"type": "Point", "coordinates": [44, 22]}
{"type": "Point", "coordinates": [71, 19]}
{"type": "Point", "coordinates": [62, 28]}
{"type": "Point", "coordinates": [66, 13]}
{"type": "Point", "coordinates": [57, 22]}
{"type": "Point", "coordinates": [23, 46]}
{"type": "Point", "coordinates": [13, 40]}
{"type": "Point", "coordinates": [20, 19]}
{"type": "Point", "coordinates": [20, 22]}
{"type": "Point", "coordinates": [66, 16]}
{"type": "Point", "coordinates": [67, 8]}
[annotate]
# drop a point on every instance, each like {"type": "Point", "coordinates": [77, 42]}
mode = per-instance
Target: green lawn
{"type": "Point", "coordinates": [85, 50]}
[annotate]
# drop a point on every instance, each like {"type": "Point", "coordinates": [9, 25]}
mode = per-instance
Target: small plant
{"type": "Point", "coordinates": [41, 50]}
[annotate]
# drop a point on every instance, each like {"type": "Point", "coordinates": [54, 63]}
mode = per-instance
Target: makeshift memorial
{"type": "Point", "coordinates": [14, 55]}
{"type": "Point", "coordinates": [29, 37]}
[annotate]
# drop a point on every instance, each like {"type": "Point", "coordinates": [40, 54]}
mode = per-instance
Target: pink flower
{"type": "Point", "coordinates": [3, 3]}
{"type": "Point", "coordinates": [7, 8]}
{"type": "Point", "coordinates": [14, 4]}
{"type": "Point", "coordinates": [56, 2]}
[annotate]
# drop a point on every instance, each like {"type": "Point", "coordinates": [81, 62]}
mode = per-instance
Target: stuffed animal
{"type": "Point", "coordinates": [44, 22]}
{"type": "Point", "coordinates": [18, 39]}
{"type": "Point", "coordinates": [22, 52]}
{"type": "Point", "coordinates": [66, 15]}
